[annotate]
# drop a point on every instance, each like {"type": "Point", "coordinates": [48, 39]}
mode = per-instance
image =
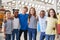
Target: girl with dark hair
{"type": "Point", "coordinates": [32, 24]}
{"type": "Point", "coordinates": [51, 25]}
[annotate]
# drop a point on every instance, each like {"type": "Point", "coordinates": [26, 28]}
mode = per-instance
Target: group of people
{"type": "Point", "coordinates": [27, 23]}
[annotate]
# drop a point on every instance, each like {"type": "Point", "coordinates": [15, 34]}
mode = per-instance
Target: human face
{"type": "Point", "coordinates": [42, 14]}
{"type": "Point", "coordinates": [51, 13]}
{"type": "Point", "coordinates": [24, 10]}
{"type": "Point", "coordinates": [8, 15]}
{"type": "Point", "coordinates": [16, 13]}
{"type": "Point", "coordinates": [32, 11]}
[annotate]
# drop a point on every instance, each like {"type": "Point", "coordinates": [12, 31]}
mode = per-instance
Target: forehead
{"type": "Point", "coordinates": [8, 12]}
{"type": "Point", "coordinates": [15, 11]}
{"type": "Point", "coordinates": [51, 10]}
{"type": "Point", "coordinates": [31, 9]}
{"type": "Point", "coordinates": [42, 12]}
{"type": "Point", "coordinates": [24, 8]}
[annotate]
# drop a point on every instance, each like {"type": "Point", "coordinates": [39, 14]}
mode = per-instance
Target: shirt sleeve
{"type": "Point", "coordinates": [46, 18]}
{"type": "Point", "coordinates": [5, 25]}
{"type": "Point", "coordinates": [56, 21]}
{"type": "Point", "coordinates": [18, 15]}
{"type": "Point", "coordinates": [12, 24]}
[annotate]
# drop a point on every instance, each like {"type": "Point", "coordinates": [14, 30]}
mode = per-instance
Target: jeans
{"type": "Point", "coordinates": [32, 33]}
{"type": "Point", "coordinates": [25, 34]}
{"type": "Point", "coordinates": [50, 37]}
{"type": "Point", "coordinates": [15, 32]}
{"type": "Point", "coordinates": [8, 37]}
{"type": "Point", "coordinates": [42, 36]}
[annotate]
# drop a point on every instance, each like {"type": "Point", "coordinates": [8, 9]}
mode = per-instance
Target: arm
{"type": "Point", "coordinates": [4, 30]}
{"type": "Point", "coordinates": [12, 25]}
{"type": "Point", "coordinates": [37, 18]}
{"type": "Point", "coordinates": [5, 27]}
{"type": "Point", "coordinates": [56, 30]}
{"type": "Point", "coordinates": [28, 20]}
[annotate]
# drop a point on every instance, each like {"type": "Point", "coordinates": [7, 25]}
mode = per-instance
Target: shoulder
{"type": "Point", "coordinates": [47, 18]}
{"type": "Point", "coordinates": [19, 14]}
{"type": "Point", "coordinates": [27, 14]}
{"type": "Point", "coordinates": [56, 19]}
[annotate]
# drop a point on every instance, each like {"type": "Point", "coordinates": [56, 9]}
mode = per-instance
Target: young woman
{"type": "Point", "coordinates": [32, 24]}
{"type": "Point", "coordinates": [42, 23]}
{"type": "Point", "coordinates": [51, 25]}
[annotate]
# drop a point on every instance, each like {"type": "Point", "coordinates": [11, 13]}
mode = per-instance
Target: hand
{"type": "Point", "coordinates": [12, 31]}
{"type": "Point", "coordinates": [57, 36]}
{"type": "Point", "coordinates": [4, 36]}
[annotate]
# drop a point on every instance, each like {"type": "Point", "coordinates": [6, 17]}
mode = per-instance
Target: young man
{"type": "Point", "coordinates": [23, 18]}
{"type": "Point", "coordinates": [8, 26]}
{"type": "Point", "coordinates": [16, 25]}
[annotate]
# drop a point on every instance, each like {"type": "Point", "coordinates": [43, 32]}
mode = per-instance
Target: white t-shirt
{"type": "Point", "coordinates": [16, 24]}
{"type": "Point", "coordinates": [42, 23]}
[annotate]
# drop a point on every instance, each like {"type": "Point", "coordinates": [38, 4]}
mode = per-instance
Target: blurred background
{"type": "Point", "coordinates": [18, 4]}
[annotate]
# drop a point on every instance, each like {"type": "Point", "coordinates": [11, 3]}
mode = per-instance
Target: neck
{"type": "Point", "coordinates": [32, 15]}
{"type": "Point", "coordinates": [51, 16]}
{"type": "Point", "coordinates": [23, 13]}
{"type": "Point", "coordinates": [42, 17]}
{"type": "Point", "coordinates": [16, 17]}
{"type": "Point", "coordinates": [9, 18]}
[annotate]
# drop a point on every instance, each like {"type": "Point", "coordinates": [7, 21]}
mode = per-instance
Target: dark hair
{"type": "Point", "coordinates": [7, 11]}
{"type": "Point", "coordinates": [25, 7]}
{"type": "Point", "coordinates": [53, 11]}
{"type": "Point", "coordinates": [42, 11]}
{"type": "Point", "coordinates": [30, 13]}
{"type": "Point", "coordinates": [15, 10]}
{"type": "Point", "coordinates": [57, 13]}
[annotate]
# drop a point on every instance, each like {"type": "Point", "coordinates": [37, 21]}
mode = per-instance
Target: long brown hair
{"type": "Point", "coordinates": [33, 14]}
{"type": "Point", "coordinates": [55, 16]}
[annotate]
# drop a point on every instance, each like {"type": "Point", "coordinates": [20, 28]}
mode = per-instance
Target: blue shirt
{"type": "Point", "coordinates": [23, 18]}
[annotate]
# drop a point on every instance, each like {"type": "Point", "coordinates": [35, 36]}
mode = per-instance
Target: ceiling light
{"type": "Point", "coordinates": [22, 3]}
{"type": "Point", "coordinates": [30, 4]}
{"type": "Point", "coordinates": [19, 5]}
{"type": "Point", "coordinates": [49, 1]}
{"type": "Point", "coordinates": [13, 1]}
{"type": "Point", "coordinates": [42, 0]}
{"type": "Point", "coordinates": [46, 0]}
{"type": "Point", "coordinates": [13, 4]}
{"type": "Point", "coordinates": [53, 1]}
{"type": "Point", "coordinates": [35, 5]}
{"type": "Point", "coordinates": [9, 3]}
{"type": "Point", "coordinates": [26, 3]}
{"type": "Point", "coordinates": [38, 6]}
{"type": "Point", "coordinates": [18, 2]}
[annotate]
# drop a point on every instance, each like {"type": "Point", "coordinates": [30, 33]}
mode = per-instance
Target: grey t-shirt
{"type": "Point", "coordinates": [8, 26]}
{"type": "Point", "coordinates": [33, 22]}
